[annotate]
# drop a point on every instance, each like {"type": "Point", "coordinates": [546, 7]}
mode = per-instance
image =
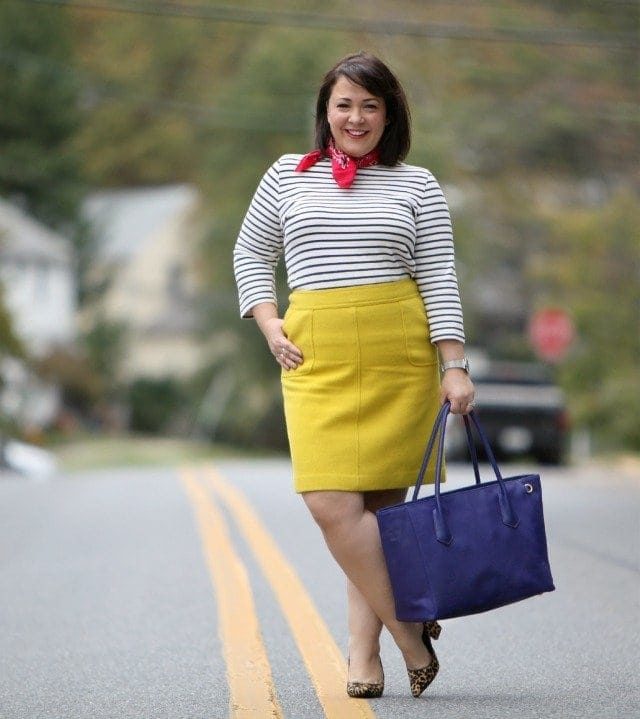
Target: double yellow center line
{"type": "Point", "coordinates": [252, 691]}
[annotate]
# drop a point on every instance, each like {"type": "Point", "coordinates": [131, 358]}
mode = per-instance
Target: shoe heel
{"type": "Point", "coordinates": [433, 629]}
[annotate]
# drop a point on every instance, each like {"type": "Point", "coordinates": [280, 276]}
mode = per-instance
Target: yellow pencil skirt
{"type": "Point", "coordinates": [360, 407]}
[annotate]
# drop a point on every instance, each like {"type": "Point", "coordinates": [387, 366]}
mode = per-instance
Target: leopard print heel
{"type": "Point", "coordinates": [433, 629]}
{"type": "Point", "coordinates": [419, 679]}
{"type": "Point", "coordinates": [366, 690]}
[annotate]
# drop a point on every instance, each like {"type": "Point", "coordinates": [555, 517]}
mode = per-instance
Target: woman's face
{"type": "Point", "coordinates": [356, 117]}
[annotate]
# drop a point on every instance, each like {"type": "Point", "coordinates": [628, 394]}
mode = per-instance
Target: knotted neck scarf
{"type": "Point", "coordinates": [343, 166]}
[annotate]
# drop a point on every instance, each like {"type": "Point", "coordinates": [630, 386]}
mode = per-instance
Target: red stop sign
{"type": "Point", "coordinates": [551, 333]}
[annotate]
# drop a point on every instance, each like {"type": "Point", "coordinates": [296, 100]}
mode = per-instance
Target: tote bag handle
{"type": "Point", "coordinates": [441, 422]}
{"type": "Point", "coordinates": [443, 534]}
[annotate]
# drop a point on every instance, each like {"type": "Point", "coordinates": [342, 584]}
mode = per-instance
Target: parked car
{"type": "Point", "coordinates": [522, 411]}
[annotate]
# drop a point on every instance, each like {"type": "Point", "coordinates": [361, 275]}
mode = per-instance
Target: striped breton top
{"type": "Point", "coordinates": [392, 223]}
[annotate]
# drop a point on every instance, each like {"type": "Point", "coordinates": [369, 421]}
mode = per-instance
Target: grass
{"type": "Point", "coordinates": [98, 452]}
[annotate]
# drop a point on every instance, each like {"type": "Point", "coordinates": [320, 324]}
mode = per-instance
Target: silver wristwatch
{"type": "Point", "coordinates": [456, 364]}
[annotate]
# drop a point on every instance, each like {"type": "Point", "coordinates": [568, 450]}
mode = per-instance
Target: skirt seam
{"type": "Point", "coordinates": [294, 300]}
{"type": "Point", "coordinates": [359, 387]}
{"type": "Point", "coordinates": [330, 300]}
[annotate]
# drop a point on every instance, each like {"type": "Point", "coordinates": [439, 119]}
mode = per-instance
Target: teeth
{"type": "Point", "coordinates": [357, 133]}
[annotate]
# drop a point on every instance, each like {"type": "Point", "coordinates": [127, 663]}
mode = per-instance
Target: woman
{"type": "Point", "coordinates": [368, 249]}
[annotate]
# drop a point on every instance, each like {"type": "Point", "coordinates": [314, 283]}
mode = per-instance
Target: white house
{"type": "Point", "coordinates": [39, 292]}
{"type": "Point", "coordinates": [37, 275]}
{"type": "Point", "coordinates": [146, 256]}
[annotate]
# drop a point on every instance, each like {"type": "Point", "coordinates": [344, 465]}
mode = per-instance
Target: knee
{"type": "Point", "coordinates": [333, 510]}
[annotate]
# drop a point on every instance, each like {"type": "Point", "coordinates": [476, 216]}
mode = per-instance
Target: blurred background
{"type": "Point", "coordinates": [133, 134]}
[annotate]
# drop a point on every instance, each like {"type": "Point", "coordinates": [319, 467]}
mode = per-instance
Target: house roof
{"type": "Point", "coordinates": [125, 220]}
{"type": "Point", "coordinates": [24, 238]}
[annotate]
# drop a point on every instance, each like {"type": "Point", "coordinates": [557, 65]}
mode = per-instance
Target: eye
{"type": "Point", "coordinates": [343, 105]}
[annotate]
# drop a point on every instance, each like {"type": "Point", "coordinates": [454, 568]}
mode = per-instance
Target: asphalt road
{"type": "Point", "coordinates": [161, 593]}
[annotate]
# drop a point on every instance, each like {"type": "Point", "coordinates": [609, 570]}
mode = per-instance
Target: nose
{"type": "Point", "coordinates": [356, 115]}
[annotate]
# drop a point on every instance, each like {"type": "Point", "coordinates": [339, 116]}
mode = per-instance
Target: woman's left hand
{"type": "Point", "coordinates": [457, 387]}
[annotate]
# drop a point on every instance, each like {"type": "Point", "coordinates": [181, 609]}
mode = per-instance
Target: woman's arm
{"type": "Point", "coordinates": [456, 385]}
{"type": "Point", "coordinates": [435, 271]}
{"type": "Point", "coordinates": [438, 285]}
{"type": "Point", "coordinates": [259, 245]}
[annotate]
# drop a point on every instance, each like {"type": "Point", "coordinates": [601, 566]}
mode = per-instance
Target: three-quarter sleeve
{"type": "Point", "coordinates": [259, 246]}
{"type": "Point", "coordinates": [435, 272]}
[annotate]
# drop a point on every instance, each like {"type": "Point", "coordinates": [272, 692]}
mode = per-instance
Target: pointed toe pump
{"type": "Point", "coordinates": [366, 690]}
{"type": "Point", "coordinates": [419, 679]}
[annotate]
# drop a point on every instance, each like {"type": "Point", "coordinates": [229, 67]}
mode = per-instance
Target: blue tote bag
{"type": "Point", "coordinates": [468, 550]}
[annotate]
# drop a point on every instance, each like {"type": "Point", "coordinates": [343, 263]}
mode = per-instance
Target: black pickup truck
{"type": "Point", "coordinates": [521, 409]}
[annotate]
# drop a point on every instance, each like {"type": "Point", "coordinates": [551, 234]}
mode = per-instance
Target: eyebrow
{"type": "Point", "coordinates": [366, 99]}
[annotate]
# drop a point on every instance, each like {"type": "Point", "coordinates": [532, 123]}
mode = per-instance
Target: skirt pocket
{"type": "Point", "coordinates": [420, 351]}
{"type": "Point", "coordinates": [298, 328]}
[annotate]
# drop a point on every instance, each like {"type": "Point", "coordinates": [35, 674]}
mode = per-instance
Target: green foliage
{"type": "Point", "coordinates": [83, 387]}
{"type": "Point", "coordinates": [40, 96]}
{"type": "Point", "coordinates": [40, 112]}
{"type": "Point", "coordinates": [89, 374]}
{"type": "Point", "coordinates": [154, 404]}
{"type": "Point", "coordinates": [10, 343]}
{"type": "Point", "coordinates": [590, 266]}
{"type": "Point", "coordinates": [104, 346]}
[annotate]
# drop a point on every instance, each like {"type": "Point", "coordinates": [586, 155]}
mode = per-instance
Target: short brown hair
{"type": "Point", "coordinates": [370, 72]}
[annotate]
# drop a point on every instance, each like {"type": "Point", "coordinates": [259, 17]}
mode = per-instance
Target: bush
{"type": "Point", "coordinates": [155, 404]}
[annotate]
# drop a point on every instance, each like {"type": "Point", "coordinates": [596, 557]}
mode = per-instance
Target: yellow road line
{"type": "Point", "coordinates": [324, 661]}
{"type": "Point", "coordinates": [252, 693]}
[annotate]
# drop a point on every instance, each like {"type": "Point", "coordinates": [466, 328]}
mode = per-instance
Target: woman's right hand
{"type": "Point", "coordinates": [286, 353]}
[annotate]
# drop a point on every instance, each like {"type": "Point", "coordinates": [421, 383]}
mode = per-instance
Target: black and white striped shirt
{"type": "Point", "coordinates": [392, 223]}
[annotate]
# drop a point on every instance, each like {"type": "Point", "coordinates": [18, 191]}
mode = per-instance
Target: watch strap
{"type": "Point", "coordinates": [455, 364]}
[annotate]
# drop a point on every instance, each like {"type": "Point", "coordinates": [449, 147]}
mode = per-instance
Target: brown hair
{"type": "Point", "coordinates": [370, 72]}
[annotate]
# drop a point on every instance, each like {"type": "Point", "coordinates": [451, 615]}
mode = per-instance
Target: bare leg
{"type": "Point", "coordinates": [364, 638]}
{"type": "Point", "coordinates": [351, 533]}
{"type": "Point", "coordinates": [364, 624]}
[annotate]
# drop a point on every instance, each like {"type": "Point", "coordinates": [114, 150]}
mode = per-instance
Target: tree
{"type": "Point", "coordinates": [10, 343]}
{"type": "Point", "coordinates": [39, 96]}
{"type": "Point", "coordinates": [590, 267]}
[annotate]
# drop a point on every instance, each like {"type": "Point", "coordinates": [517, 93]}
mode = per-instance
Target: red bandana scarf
{"type": "Point", "coordinates": [343, 166]}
